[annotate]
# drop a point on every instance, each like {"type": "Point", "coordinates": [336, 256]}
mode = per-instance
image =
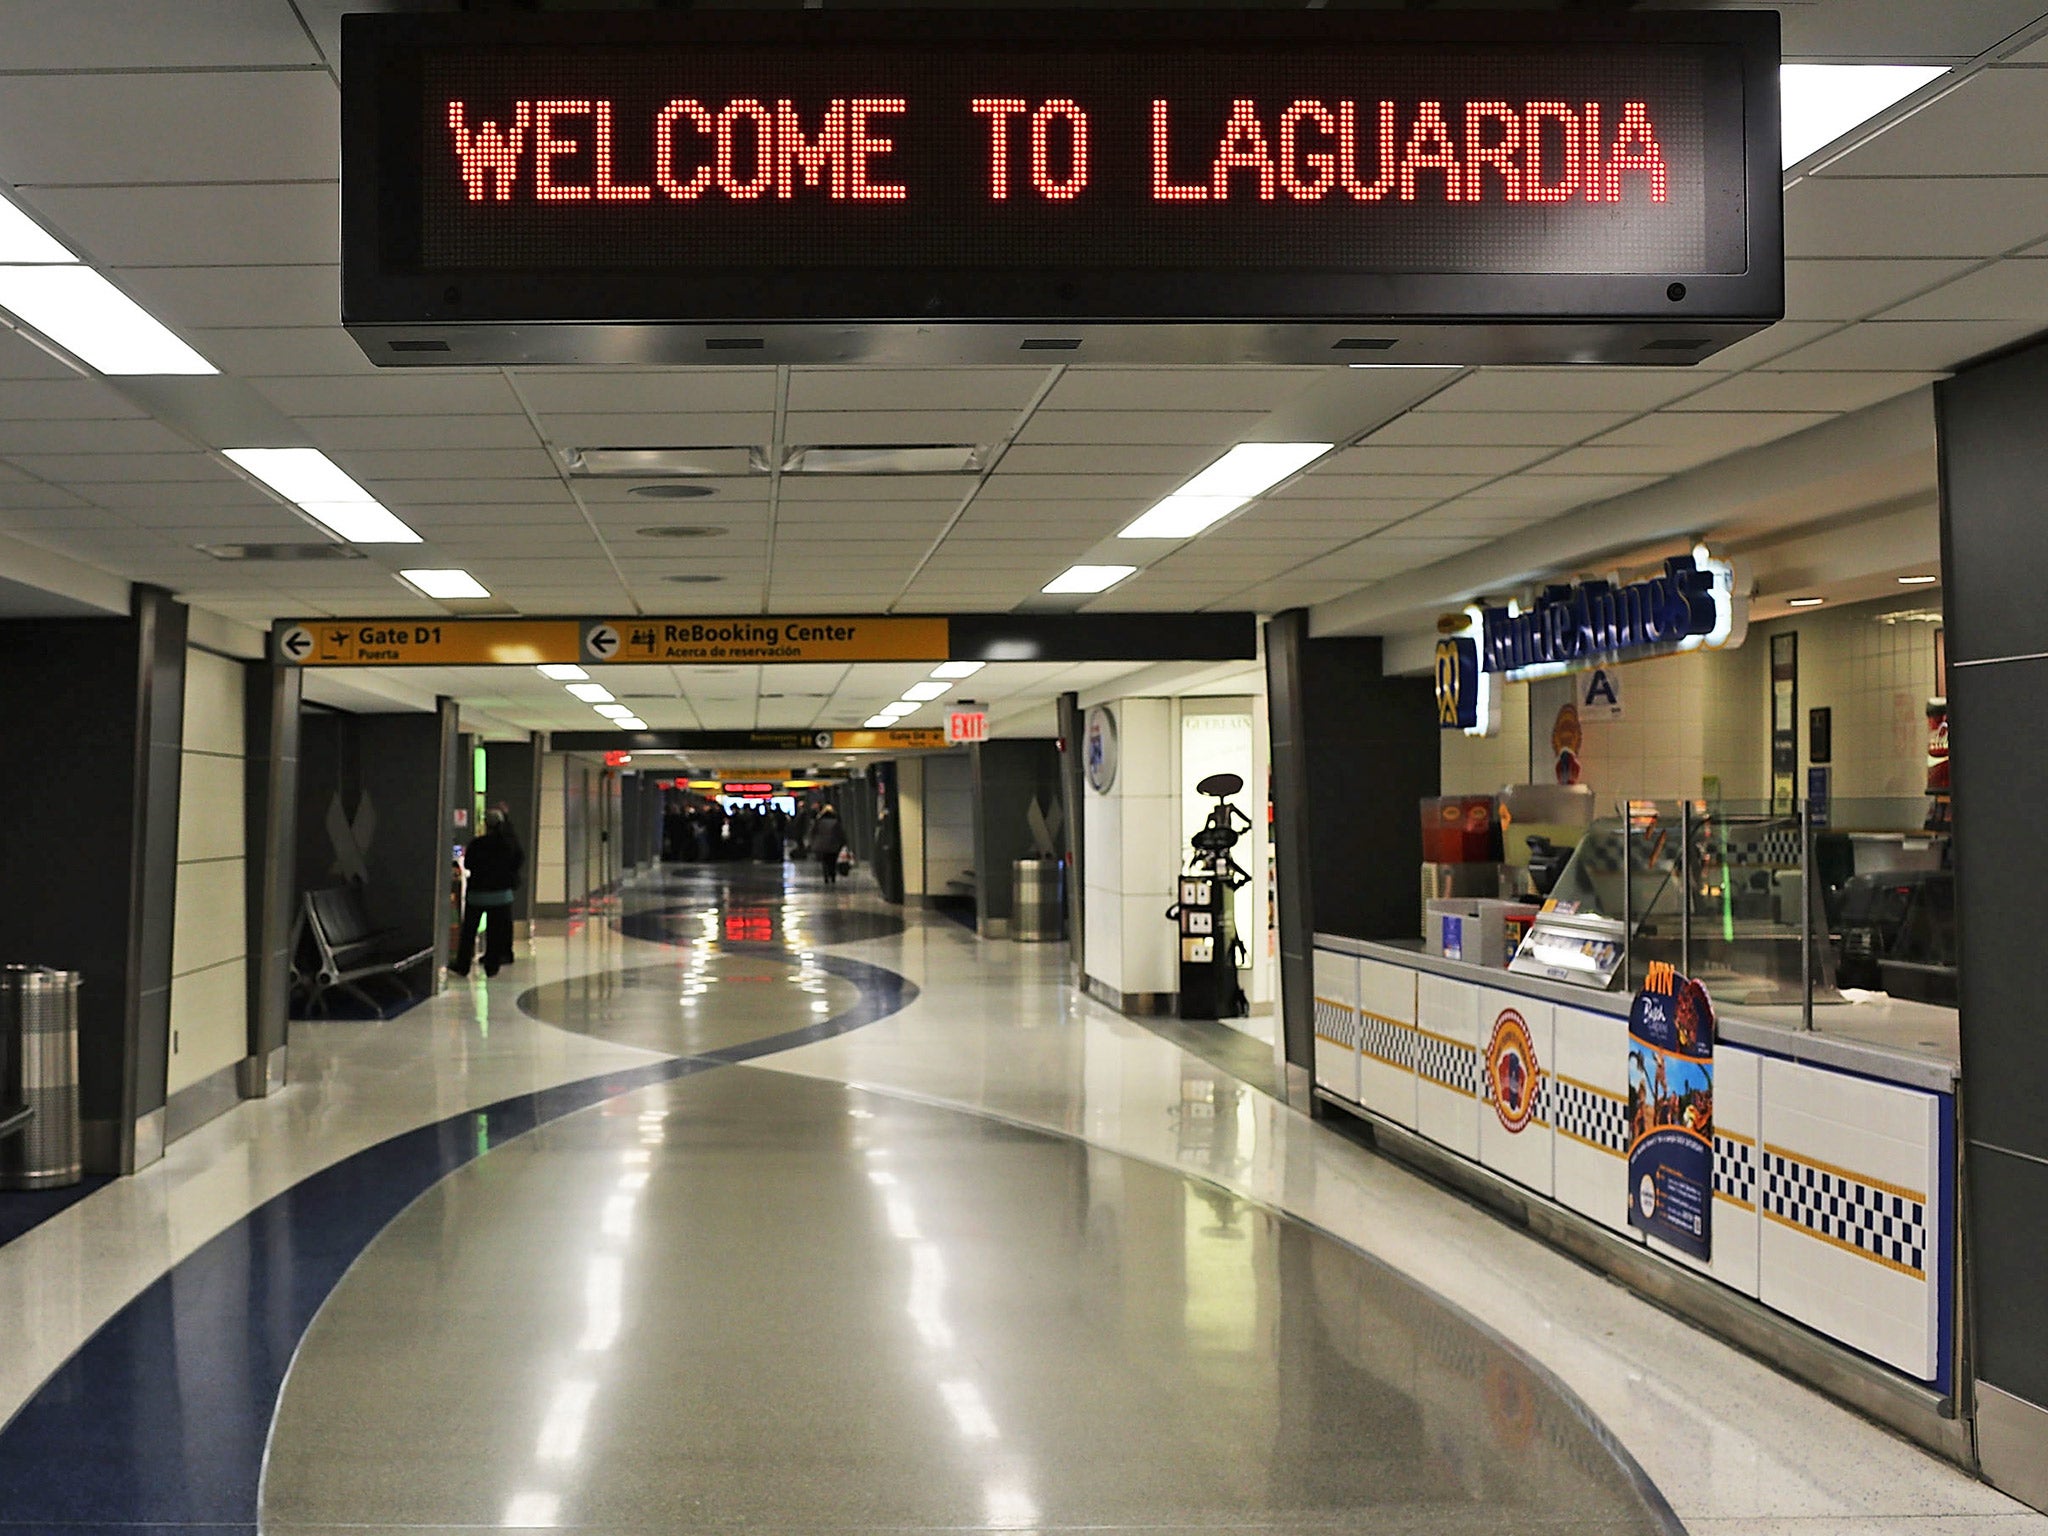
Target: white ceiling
{"type": "Point", "coordinates": [190, 149]}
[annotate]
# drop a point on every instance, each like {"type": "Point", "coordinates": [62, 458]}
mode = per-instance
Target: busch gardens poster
{"type": "Point", "coordinates": [1671, 1111]}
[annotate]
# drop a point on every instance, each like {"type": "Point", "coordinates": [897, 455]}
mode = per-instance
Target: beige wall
{"type": "Point", "coordinates": [209, 986]}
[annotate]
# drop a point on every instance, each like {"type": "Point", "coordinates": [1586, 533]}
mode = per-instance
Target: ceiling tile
{"type": "Point", "coordinates": [94, 468]}
{"type": "Point", "coordinates": [126, 436]}
{"type": "Point", "coordinates": [195, 297]}
{"type": "Point", "coordinates": [829, 428]}
{"type": "Point", "coordinates": [65, 399]}
{"type": "Point", "coordinates": [1720, 432]}
{"type": "Point", "coordinates": [1176, 460]}
{"type": "Point", "coordinates": [1002, 390]}
{"type": "Point", "coordinates": [263, 352]}
{"type": "Point", "coordinates": [1918, 216]}
{"type": "Point", "coordinates": [258, 224]}
{"type": "Point", "coordinates": [1460, 459]}
{"type": "Point", "coordinates": [799, 490]}
{"type": "Point", "coordinates": [1803, 391]}
{"type": "Point", "coordinates": [1494, 428]}
{"type": "Point", "coordinates": [1168, 389]}
{"type": "Point", "coordinates": [1772, 341]}
{"type": "Point", "coordinates": [2008, 290]}
{"type": "Point", "coordinates": [1214, 430]}
{"type": "Point", "coordinates": [471, 492]}
{"type": "Point", "coordinates": [1988, 125]}
{"type": "Point", "coordinates": [78, 35]}
{"type": "Point", "coordinates": [338, 434]}
{"type": "Point", "coordinates": [447, 464]}
{"type": "Point", "coordinates": [392, 392]}
{"type": "Point", "coordinates": [645, 391]}
{"type": "Point", "coordinates": [1850, 290]}
{"type": "Point", "coordinates": [708, 429]}
{"type": "Point", "coordinates": [1564, 389]}
{"type": "Point", "coordinates": [215, 126]}
{"type": "Point", "coordinates": [1924, 345]}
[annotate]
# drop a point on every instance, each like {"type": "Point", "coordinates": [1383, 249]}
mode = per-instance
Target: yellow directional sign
{"type": "Point", "coordinates": [447, 642]}
{"type": "Point", "coordinates": [889, 741]}
{"type": "Point", "coordinates": [765, 640]}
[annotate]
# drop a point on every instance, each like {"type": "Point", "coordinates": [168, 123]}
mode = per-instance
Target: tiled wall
{"type": "Point", "coordinates": [1828, 1203]}
{"type": "Point", "coordinates": [1876, 673]}
{"type": "Point", "coordinates": [1484, 765]}
{"type": "Point", "coordinates": [209, 944]}
{"type": "Point", "coordinates": [550, 883]}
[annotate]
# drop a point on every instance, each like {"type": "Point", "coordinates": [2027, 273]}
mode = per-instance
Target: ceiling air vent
{"type": "Point", "coordinates": [681, 531]}
{"type": "Point", "coordinates": [674, 490]}
{"type": "Point", "coordinates": [888, 459]}
{"type": "Point", "coordinates": [681, 463]}
{"type": "Point", "coordinates": [281, 552]}
{"type": "Point", "coordinates": [694, 579]}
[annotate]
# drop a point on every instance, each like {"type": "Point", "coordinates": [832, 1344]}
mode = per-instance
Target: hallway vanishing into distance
{"type": "Point", "coordinates": [745, 1205]}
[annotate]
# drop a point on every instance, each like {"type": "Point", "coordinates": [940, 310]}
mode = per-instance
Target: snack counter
{"type": "Point", "coordinates": [1834, 1160]}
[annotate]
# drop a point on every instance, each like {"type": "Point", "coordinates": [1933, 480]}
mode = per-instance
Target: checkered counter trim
{"type": "Point", "coordinates": [1447, 1063]}
{"type": "Point", "coordinates": [1337, 1023]}
{"type": "Point", "coordinates": [1588, 1115]}
{"type": "Point", "coordinates": [1735, 1170]}
{"type": "Point", "coordinates": [1388, 1040]}
{"type": "Point", "coordinates": [1885, 1225]}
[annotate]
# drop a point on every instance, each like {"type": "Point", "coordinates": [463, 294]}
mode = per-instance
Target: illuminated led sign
{"type": "Point", "coordinates": [1534, 186]}
{"type": "Point", "coordinates": [1694, 605]}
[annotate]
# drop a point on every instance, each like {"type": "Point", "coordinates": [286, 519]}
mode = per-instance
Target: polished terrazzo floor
{"type": "Point", "coordinates": [765, 1209]}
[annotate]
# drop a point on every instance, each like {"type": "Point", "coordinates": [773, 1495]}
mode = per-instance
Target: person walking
{"type": "Point", "coordinates": [828, 840]}
{"type": "Point", "coordinates": [494, 862]}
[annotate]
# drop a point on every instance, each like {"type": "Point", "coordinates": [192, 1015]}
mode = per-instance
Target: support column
{"type": "Point", "coordinates": [1073, 800]}
{"type": "Point", "coordinates": [443, 852]}
{"type": "Point", "coordinates": [1994, 461]}
{"type": "Point", "coordinates": [271, 699]}
{"type": "Point", "coordinates": [1354, 753]}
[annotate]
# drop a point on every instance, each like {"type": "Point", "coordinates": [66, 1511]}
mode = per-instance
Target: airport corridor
{"type": "Point", "coordinates": [746, 1205]}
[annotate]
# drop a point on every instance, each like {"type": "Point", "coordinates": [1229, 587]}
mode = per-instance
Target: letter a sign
{"type": "Point", "coordinates": [1600, 694]}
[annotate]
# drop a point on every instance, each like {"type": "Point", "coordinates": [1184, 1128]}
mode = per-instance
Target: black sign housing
{"type": "Point", "coordinates": [871, 186]}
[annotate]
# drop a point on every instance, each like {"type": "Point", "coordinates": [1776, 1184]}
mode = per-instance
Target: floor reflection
{"type": "Point", "coordinates": [744, 1299]}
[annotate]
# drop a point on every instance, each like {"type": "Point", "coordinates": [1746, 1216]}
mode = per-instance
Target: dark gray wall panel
{"type": "Point", "coordinates": [1008, 776]}
{"type": "Point", "coordinates": [2010, 1255]}
{"type": "Point", "coordinates": [271, 696]}
{"type": "Point", "coordinates": [1994, 467]}
{"type": "Point", "coordinates": [160, 771]}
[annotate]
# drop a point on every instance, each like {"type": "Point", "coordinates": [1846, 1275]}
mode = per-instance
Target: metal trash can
{"type": "Point", "coordinates": [39, 1028]}
{"type": "Point", "coordinates": [1036, 916]}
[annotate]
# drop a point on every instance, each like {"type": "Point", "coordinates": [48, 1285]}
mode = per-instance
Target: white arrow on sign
{"type": "Point", "coordinates": [295, 643]}
{"type": "Point", "coordinates": [602, 642]}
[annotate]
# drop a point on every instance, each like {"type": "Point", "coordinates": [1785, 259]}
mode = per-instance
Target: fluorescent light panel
{"type": "Point", "coordinates": [1248, 470]}
{"type": "Point", "coordinates": [99, 324]}
{"type": "Point", "coordinates": [1089, 578]}
{"type": "Point", "coordinates": [918, 693]}
{"type": "Point", "coordinates": [23, 240]}
{"type": "Point", "coordinates": [445, 583]}
{"type": "Point", "coordinates": [631, 723]}
{"type": "Point", "coordinates": [591, 693]}
{"type": "Point", "coordinates": [319, 488]}
{"type": "Point", "coordinates": [614, 711]}
{"type": "Point", "coordinates": [879, 722]}
{"type": "Point", "coordinates": [561, 671]}
{"type": "Point", "coordinates": [957, 669]}
{"type": "Point", "coordinates": [1804, 602]}
{"type": "Point", "coordinates": [899, 709]}
{"type": "Point", "coordinates": [1918, 581]}
{"type": "Point", "coordinates": [1821, 103]}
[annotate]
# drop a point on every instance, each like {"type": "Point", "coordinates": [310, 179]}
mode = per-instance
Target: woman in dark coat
{"type": "Point", "coordinates": [493, 861]}
{"type": "Point", "coordinates": [828, 837]}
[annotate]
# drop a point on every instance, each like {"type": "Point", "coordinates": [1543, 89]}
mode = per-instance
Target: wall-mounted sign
{"type": "Point", "coordinates": [688, 184]}
{"type": "Point", "coordinates": [1671, 1111]}
{"type": "Point", "coordinates": [1514, 1077]}
{"type": "Point", "coordinates": [1599, 694]}
{"type": "Point", "coordinates": [407, 643]}
{"type": "Point", "coordinates": [749, 789]}
{"type": "Point", "coordinates": [1099, 748]}
{"type": "Point", "coordinates": [1466, 697]}
{"type": "Point", "coordinates": [1784, 720]}
{"type": "Point", "coordinates": [1694, 605]}
{"type": "Point", "coordinates": [918, 740]}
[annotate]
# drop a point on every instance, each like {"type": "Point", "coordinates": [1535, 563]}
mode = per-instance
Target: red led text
{"type": "Point", "coordinates": [560, 151]}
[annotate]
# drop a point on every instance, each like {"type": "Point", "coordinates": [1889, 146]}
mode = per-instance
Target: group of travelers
{"type": "Point", "coordinates": [703, 831]}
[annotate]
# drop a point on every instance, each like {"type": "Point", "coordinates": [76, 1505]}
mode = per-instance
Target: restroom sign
{"type": "Point", "coordinates": [1600, 694]}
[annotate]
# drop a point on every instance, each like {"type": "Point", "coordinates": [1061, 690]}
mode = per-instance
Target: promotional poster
{"type": "Point", "coordinates": [1671, 1112]}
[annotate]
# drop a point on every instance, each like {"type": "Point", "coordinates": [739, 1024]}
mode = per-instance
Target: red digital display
{"type": "Point", "coordinates": [1475, 161]}
{"type": "Point", "coordinates": [934, 168]}
{"type": "Point", "coordinates": [750, 790]}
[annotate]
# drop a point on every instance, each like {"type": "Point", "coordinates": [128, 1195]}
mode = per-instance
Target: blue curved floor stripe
{"type": "Point", "coordinates": [158, 1422]}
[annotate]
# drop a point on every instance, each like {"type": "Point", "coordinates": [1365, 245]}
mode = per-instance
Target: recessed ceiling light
{"type": "Point", "coordinates": [957, 669]}
{"type": "Point", "coordinates": [1804, 602]}
{"type": "Point", "coordinates": [899, 709]}
{"type": "Point", "coordinates": [591, 693]}
{"type": "Point", "coordinates": [23, 240]}
{"type": "Point", "coordinates": [445, 584]}
{"type": "Point", "coordinates": [674, 491]}
{"type": "Point", "coordinates": [1819, 103]}
{"type": "Point", "coordinates": [887, 459]}
{"type": "Point", "coordinates": [630, 723]}
{"type": "Point", "coordinates": [880, 722]}
{"type": "Point", "coordinates": [1918, 581]}
{"type": "Point", "coordinates": [1089, 578]}
{"type": "Point", "coordinates": [614, 711]}
{"type": "Point", "coordinates": [89, 317]}
{"type": "Point", "coordinates": [919, 693]}
{"type": "Point", "coordinates": [561, 671]}
{"type": "Point", "coordinates": [314, 483]}
{"type": "Point", "coordinates": [687, 463]}
{"type": "Point", "coordinates": [1248, 470]}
